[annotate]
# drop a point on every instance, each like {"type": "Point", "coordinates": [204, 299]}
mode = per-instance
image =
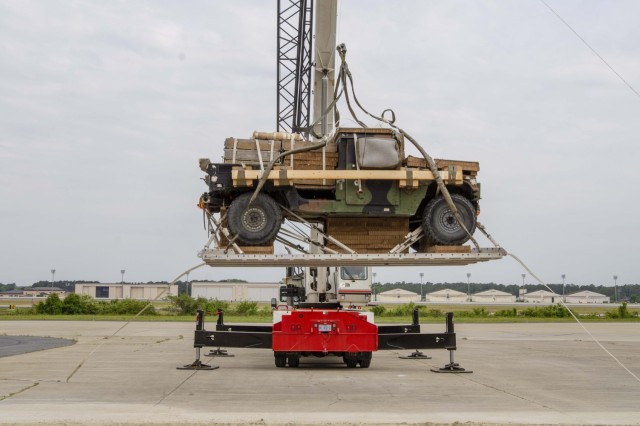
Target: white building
{"type": "Point", "coordinates": [397, 295]}
{"type": "Point", "coordinates": [446, 295]}
{"type": "Point", "coordinates": [45, 291]}
{"type": "Point", "coordinates": [542, 296]}
{"type": "Point", "coordinates": [255, 292]}
{"type": "Point", "coordinates": [586, 297]}
{"type": "Point", "coordinates": [493, 296]}
{"type": "Point", "coordinates": [127, 291]}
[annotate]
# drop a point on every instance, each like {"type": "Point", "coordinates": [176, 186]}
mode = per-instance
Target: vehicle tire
{"type": "Point", "coordinates": [294, 361]}
{"type": "Point", "coordinates": [351, 362]}
{"type": "Point", "coordinates": [281, 360]}
{"type": "Point", "coordinates": [365, 363]}
{"type": "Point", "coordinates": [440, 225]}
{"type": "Point", "coordinates": [255, 224]}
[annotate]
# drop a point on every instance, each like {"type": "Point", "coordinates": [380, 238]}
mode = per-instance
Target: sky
{"type": "Point", "coordinates": [105, 108]}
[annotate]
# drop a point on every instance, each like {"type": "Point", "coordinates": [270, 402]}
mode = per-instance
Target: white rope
{"type": "Point", "coordinates": [517, 259]}
{"type": "Point", "coordinates": [104, 340]}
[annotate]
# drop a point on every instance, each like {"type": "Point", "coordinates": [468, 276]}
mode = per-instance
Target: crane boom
{"type": "Point", "coordinates": [324, 66]}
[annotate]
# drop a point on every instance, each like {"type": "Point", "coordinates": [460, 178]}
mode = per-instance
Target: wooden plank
{"type": "Point", "coordinates": [302, 175]}
{"type": "Point", "coordinates": [364, 234]}
{"type": "Point", "coordinates": [366, 131]}
{"type": "Point", "coordinates": [265, 145]}
{"type": "Point", "coordinates": [468, 166]}
{"type": "Point", "coordinates": [449, 249]}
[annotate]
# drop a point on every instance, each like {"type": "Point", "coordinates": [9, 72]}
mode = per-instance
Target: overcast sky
{"type": "Point", "coordinates": [105, 108]}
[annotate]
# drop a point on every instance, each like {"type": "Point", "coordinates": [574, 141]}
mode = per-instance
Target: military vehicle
{"type": "Point", "coordinates": [359, 186]}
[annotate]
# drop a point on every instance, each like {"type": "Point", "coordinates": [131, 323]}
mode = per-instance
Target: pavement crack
{"type": "Point", "coordinates": [506, 392]}
{"type": "Point", "coordinates": [74, 371]}
{"type": "Point", "coordinates": [11, 395]}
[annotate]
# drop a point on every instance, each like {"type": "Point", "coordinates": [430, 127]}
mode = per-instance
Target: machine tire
{"type": "Point", "coordinates": [365, 363]}
{"type": "Point", "coordinates": [441, 227]}
{"type": "Point", "coordinates": [281, 360]}
{"type": "Point", "coordinates": [257, 224]}
{"type": "Point", "coordinates": [351, 362]}
{"type": "Point", "coordinates": [294, 361]}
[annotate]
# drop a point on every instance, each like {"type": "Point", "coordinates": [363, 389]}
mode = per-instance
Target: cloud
{"type": "Point", "coordinates": [105, 108]}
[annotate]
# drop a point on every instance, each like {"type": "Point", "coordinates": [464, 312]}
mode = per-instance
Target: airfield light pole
{"type": "Point", "coordinates": [563, 277]}
{"type": "Point", "coordinates": [615, 288]}
{"type": "Point", "coordinates": [375, 296]}
{"type": "Point", "coordinates": [53, 277]}
{"type": "Point", "coordinates": [188, 286]}
{"type": "Point", "coordinates": [122, 271]}
{"type": "Point", "coordinates": [522, 288]}
{"type": "Point", "coordinates": [421, 275]}
{"type": "Point", "coordinates": [468, 287]}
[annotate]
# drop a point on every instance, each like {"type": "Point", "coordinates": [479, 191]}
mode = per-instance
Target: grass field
{"type": "Point", "coordinates": [465, 313]}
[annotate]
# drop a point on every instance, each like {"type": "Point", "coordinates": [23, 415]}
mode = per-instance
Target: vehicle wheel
{"type": "Point", "coordinates": [440, 225]}
{"type": "Point", "coordinates": [281, 360]}
{"type": "Point", "coordinates": [351, 362]}
{"type": "Point", "coordinates": [365, 363]}
{"type": "Point", "coordinates": [255, 224]}
{"type": "Point", "coordinates": [294, 361]}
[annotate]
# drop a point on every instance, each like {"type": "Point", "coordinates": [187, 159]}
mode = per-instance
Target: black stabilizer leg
{"type": "Point", "coordinates": [452, 367]}
{"type": "Point", "coordinates": [415, 354]}
{"type": "Point", "coordinates": [219, 352]}
{"type": "Point", "coordinates": [198, 364]}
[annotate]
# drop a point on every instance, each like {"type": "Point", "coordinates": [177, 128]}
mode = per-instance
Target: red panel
{"type": "Point", "coordinates": [308, 330]}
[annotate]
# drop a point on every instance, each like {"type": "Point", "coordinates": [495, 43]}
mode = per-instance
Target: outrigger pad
{"type": "Point", "coordinates": [415, 355]}
{"type": "Point", "coordinates": [451, 368]}
{"type": "Point", "coordinates": [219, 353]}
{"type": "Point", "coordinates": [198, 365]}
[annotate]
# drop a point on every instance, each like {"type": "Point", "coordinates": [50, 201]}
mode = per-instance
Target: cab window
{"type": "Point", "coordinates": [353, 273]}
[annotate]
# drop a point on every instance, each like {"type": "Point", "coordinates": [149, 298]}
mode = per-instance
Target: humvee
{"type": "Point", "coordinates": [360, 187]}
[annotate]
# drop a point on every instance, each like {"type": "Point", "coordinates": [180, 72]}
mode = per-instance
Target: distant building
{"type": "Point", "coordinates": [397, 295]}
{"type": "Point", "coordinates": [12, 293]}
{"type": "Point", "coordinates": [542, 296]}
{"type": "Point", "coordinates": [446, 295]}
{"type": "Point", "coordinates": [493, 296]}
{"type": "Point", "coordinates": [230, 291]}
{"type": "Point", "coordinates": [37, 291]}
{"type": "Point", "coordinates": [126, 291]}
{"type": "Point", "coordinates": [586, 297]}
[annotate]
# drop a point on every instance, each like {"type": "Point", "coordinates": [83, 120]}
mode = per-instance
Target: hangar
{"type": "Point", "coordinates": [587, 297]}
{"type": "Point", "coordinates": [542, 296]}
{"type": "Point", "coordinates": [228, 291]}
{"type": "Point", "coordinates": [493, 296]}
{"type": "Point", "coordinates": [126, 291]}
{"type": "Point", "coordinates": [446, 295]}
{"type": "Point", "coordinates": [397, 295]}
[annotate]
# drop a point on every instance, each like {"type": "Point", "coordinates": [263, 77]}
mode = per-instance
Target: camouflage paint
{"type": "Point", "coordinates": [378, 198]}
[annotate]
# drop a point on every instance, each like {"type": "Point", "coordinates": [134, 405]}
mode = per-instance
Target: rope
{"type": "Point", "coordinates": [104, 340]}
{"type": "Point", "coordinates": [517, 259]}
{"type": "Point", "coordinates": [445, 192]}
{"type": "Point", "coordinates": [526, 268]}
{"type": "Point", "coordinates": [591, 48]}
{"type": "Point", "coordinates": [346, 73]}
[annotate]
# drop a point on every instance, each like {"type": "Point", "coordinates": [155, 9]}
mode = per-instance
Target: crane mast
{"type": "Point", "coordinates": [297, 56]}
{"type": "Point", "coordinates": [295, 29]}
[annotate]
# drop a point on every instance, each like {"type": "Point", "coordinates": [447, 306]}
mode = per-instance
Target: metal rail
{"type": "Point", "coordinates": [213, 257]}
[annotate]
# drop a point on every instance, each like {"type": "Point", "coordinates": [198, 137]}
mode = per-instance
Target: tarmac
{"type": "Point", "coordinates": [551, 373]}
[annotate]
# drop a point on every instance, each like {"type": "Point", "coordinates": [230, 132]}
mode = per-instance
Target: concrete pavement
{"type": "Point", "coordinates": [523, 374]}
